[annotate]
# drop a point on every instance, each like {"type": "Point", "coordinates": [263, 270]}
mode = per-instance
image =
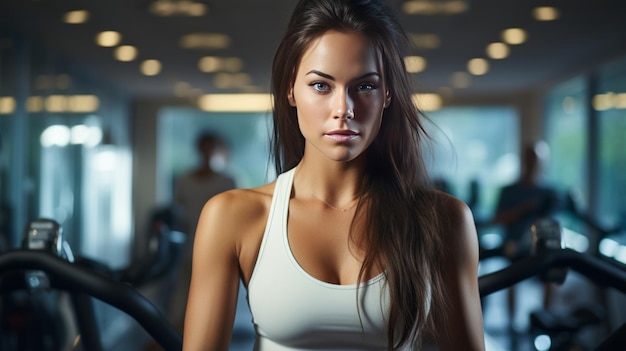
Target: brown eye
{"type": "Point", "coordinates": [366, 87]}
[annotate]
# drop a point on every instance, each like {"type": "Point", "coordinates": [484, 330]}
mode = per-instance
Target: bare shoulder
{"type": "Point", "coordinates": [231, 226]}
{"type": "Point", "coordinates": [456, 222]}
{"type": "Point", "coordinates": [242, 202]}
{"type": "Point", "coordinates": [234, 214]}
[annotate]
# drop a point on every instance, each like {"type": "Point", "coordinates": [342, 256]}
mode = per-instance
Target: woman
{"type": "Point", "coordinates": [349, 248]}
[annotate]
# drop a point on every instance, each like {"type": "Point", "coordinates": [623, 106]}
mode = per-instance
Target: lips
{"type": "Point", "coordinates": [342, 135]}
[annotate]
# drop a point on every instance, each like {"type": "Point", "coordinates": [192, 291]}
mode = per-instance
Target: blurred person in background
{"type": "Point", "coordinates": [192, 190]}
{"type": "Point", "coordinates": [519, 205]}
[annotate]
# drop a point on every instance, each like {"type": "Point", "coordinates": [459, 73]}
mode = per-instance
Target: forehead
{"type": "Point", "coordinates": [341, 51]}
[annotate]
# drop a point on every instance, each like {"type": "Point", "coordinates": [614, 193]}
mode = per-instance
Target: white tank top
{"type": "Point", "coordinates": [292, 310]}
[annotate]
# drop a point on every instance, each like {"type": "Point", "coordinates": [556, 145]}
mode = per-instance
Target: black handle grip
{"type": "Point", "coordinates": [99, 286]}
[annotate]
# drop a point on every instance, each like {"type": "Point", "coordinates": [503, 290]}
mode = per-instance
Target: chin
{"type": "Point", "coordinates": [346, 156]}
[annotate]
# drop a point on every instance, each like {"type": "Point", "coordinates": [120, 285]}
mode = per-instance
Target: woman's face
{"type": "Point", "coordinates": [339, 94]}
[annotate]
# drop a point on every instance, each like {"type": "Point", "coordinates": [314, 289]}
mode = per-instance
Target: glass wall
{"type": "Point", "coordinates": [65, 155]}
{"type": "Point", "coordinates": [246, 135]}
{"type": "Point", "coordinates": [476, 152]}
{"type": "Point", "coordinates": [61, 130]}
{"type": "Point", "coordinates": [566, 133]}
{"type": "Point", "coordinates": [610, 101]}
{"type": "Point", "coordinates": [7, 108]}
{"type": "Point", "coordinates": [586, 126]}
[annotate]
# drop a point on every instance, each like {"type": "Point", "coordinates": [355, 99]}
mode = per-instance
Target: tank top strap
{"type": "Point", "coordinates": [273, 240]}
{"type": "Point", "coordinates": [280, 206]}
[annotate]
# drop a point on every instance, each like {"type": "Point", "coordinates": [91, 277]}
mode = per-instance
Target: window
{"type": "Point", "coordinates": [246, 135]}
{"type": "Point", "coordinates": [611, 182]}
{"type": "Point", "coordinates": [566, 133]}
{"type": "Point", "coordinates": [475, 148]}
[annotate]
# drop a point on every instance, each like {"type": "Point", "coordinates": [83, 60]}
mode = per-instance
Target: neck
{"type": "Point", "coordinates": [338, 186]}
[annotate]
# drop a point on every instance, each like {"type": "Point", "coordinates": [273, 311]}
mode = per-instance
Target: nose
{"type": "Point", "coordinates": [343, 106]}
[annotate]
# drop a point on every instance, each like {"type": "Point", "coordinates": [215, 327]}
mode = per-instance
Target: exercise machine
{"type": "Point", "coordinates": [551, 263]}
{"type": "Point", "coordinates": [43, 269]}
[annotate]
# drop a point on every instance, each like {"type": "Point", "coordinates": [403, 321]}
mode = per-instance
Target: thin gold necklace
{"type": "Point", "coordinates": [356, 201]}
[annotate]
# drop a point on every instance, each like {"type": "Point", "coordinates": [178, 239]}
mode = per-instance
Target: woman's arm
{"type": "Point", "coordinates": [215, 277]}
{"type": "Point", "coordinates": [460, 271]}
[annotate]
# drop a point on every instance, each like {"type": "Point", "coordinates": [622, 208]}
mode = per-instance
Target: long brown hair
{"type": "Point", "coordinates": [402, 227]}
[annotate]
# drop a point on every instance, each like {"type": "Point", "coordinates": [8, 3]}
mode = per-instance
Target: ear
{"type": "Point", "coordinates": [387, 99]}
{"type": "Point", "coordinates": [291, 98]}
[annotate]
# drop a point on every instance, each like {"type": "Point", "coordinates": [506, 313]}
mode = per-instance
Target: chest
{"type": "Point", "coordinates": [295, 301]}
{"type": "Point", "coordinates": [328, 244]}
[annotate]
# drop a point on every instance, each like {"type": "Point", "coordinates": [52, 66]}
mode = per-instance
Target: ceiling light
{"type": "Point", "coordinates": [7, 105]}
{"type": "Point", "coordinates": [210, 64]}
{"type": "Point", "coordinates": [125, 53]}
{"type": "Point", "coordinates": [34, 104]}
{"type": "Point", "coordinates": [620, 101]}
{"type": "Point", "coordinates": [228, 80]}
{"type": "Point", "coordinates": [76, 17]}
{"type": "Point", "coordinates": [415, 64]}
{"type": "Point", "coordinates": [150, 67]}
{"type": "Point", "coordinates": [454, 6]}
{"type": "Point", "coordinates": [420, 7]}
{"type": "Point", "coordinates": [434, 7]}
{"type": "Point", "coordinates": [498, 51]}
{"type": "Point", "coordinates": [603, 102]}
{"type": "Point", "coordinates": [178, 8]}
{"type": "Point", "coordinates": [425, 41]}
{"type": "Point", "coordinates": [609, 100]}
{"type": "Point", "coordinates": [514, 36]}
{"type": "Point", "coordinates": [63, 103]}
{"type": "Point", "coordinates": [546, 13]}
{"type": "Point", "coordinates": [235, 102]}
{"type": "Point", "coordinates": [205, 41]}
{"type": "Point", "coordinates": [108, 38]}
{"type": "Point", "coordinates": [162, 8]}
{"type": "Point", "coordinates": [56, 103]}
{"type": "Point", "coordinates": [428, 102]}
{"type": "Point", "coordinates": [193, 9]}
{"type": "Point", "coordinates": [232, 64]}
{"type": "Point", "coordinates": [478, 66]}
{"type": "Point", "coordinates": [82, 103]}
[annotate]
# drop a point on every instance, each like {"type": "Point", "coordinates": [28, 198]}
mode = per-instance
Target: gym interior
{"type": "Point", "coordinates": [94, 135]}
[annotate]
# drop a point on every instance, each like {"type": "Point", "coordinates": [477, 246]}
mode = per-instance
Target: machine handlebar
{"type": "Point", "coordinates": [76, 278]}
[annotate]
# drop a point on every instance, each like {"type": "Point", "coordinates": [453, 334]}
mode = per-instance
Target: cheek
{"type": "Point", "coordinates": [308, 112]}
{"type": "Point", "coordinates": [310, 107]}
{"type": "Point", "coordinates": [303, 98]}
{"type": "Point", "coordinates": [371, 109]}
{"type": "Point", "coordinates": [308, 118]}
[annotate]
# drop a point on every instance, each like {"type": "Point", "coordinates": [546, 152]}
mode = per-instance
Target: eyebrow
{"type": "Point", "coordinates": [328, 76]}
